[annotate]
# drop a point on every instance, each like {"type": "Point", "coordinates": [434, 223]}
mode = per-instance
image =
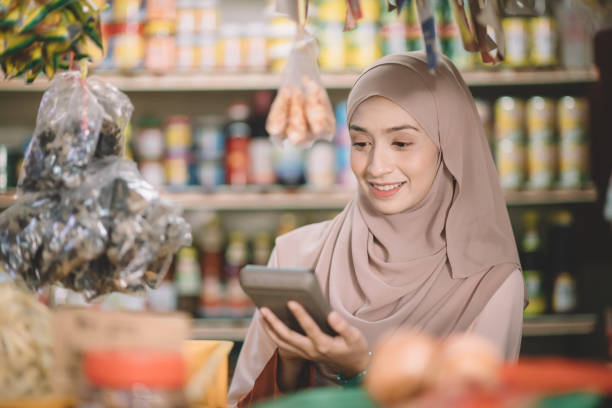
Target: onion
{"type": "Point", "coordinates": [467, 360]}
{"type": "Point", "coordinates": [402, 367]}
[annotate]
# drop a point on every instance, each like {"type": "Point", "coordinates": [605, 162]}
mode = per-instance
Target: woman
{"type": "Point", "coordinates": [426, 244]}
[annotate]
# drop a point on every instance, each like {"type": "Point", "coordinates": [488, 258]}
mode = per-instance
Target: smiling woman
{"type": "Point", "coordinates": [394, 160]}
{"type": "Point", "coordinates": [426, 243]}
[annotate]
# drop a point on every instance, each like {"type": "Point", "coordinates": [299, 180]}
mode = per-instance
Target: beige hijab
{"type": "Point", "coordinates": [432, 267]}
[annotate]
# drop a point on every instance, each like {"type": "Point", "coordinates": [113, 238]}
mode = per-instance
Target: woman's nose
{"type": "Point", "coordinates": [380, 163]}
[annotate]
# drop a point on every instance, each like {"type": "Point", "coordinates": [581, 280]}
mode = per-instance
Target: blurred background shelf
{"type": "Point", "coordinates": [546, 325]}
{"type": "Point", "coordinates": [303, 199]}
{"type": "Point", "coordinates": [344, 80]}
{"type": "Point", "coordinates": [559, 325]}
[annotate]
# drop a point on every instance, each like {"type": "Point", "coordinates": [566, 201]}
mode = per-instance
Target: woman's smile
{"type": "Point", "coordinates": [385, 190]}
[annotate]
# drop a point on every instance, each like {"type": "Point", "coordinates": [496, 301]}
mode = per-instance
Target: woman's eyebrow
{"type": "Point", "coordinates": [401, 127]}
{"type": "Point", "coordinates": [357, 128]}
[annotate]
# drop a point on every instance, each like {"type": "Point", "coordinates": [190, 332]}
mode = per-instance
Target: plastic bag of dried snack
{"type": "Point", "coordinates": [301, 112]}
{"type": "Point", "coordinates": [117, 113]}
{"type": "Point", "coordinates": [65, 138]}
{"type": "Point", "coordinates": [78, 121]}
{"type": "Point", "coordinates": [112, 233]}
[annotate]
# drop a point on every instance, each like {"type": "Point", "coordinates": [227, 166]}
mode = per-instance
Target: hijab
{"type": "Point", "coordinates": [436, 265]}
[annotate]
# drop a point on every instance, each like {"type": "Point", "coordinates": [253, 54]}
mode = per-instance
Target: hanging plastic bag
{"type": "Point", "coordinates": [78, 121]}
{"type": "Point", "coordinates": [301, 112]}
{"type": "Point", "coordinates": [112, 233]}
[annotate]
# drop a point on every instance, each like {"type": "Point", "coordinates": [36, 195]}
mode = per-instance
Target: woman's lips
{"type": "Point", "coordinates": [385, 190]}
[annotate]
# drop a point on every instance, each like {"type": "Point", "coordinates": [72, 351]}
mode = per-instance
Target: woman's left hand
{"type": "Point", "coordinates": [346, 353]}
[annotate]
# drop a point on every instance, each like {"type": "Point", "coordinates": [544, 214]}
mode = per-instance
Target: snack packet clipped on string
{"type": "Point", "coordinates": [301, 112]}
{"type": "Point", "coordinates": [428, 28]}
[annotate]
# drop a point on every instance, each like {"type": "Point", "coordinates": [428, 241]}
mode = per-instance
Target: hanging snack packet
{"type": "Point", "coordinates": [301, 111]}
{"type": "Point", "coordinates": [78, 121]}
{"type": "Point", "coordinates": [65, 138]}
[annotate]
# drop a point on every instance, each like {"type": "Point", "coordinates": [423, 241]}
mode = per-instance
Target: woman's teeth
{"type": "Point", "coordinates": [387, 187]}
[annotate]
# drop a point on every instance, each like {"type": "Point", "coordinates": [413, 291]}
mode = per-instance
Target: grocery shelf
{"type": "Point", "coordinates": [341, 80]}
{"type": "Point", "coordinates": [559, 325]}
{"type": "Point", "coordinates": [219, 329]}
{"type": "Point", "coordinates": [546, 325]}
{"type": "Point", "coordinates": [304, 199]}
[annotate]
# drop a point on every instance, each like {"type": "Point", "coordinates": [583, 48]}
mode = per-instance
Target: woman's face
{"type": "Point", "coordinates": [392, 157]}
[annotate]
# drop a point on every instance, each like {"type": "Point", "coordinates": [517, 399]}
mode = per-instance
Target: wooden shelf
{"type": "Point", "coordinates": [303, 199]}
{"type": "Point", "coordinates": [559, 325]}
{"type": "Point", "coordinates": [547, 325]}
{"type": "Point", "coordinates": [344, 80]}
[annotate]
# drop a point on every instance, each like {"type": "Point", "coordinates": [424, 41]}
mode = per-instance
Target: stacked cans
{"type": "Point", "coordinates": [178, 155]}
{"type": "Point", "coordinates": [209, 142]}
{"type": "Point", "coordinates": [510, 139]}
{"type": "Point", "coordinates": [529, 153]}
{"type": "Point", "coordinates": [149, 150]}
{"type": "Point", "coordinates": [572, 116]}
{"type": "Point", "coordinates": [541, 151]}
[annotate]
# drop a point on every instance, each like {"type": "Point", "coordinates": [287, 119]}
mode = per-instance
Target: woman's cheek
{"type": "Point", "coordinates": [358, 162]}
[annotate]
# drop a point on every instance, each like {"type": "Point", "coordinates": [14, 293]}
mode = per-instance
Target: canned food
{"type": "Point", "coordinates": [261, 162]}
{"type": "Point", "coordinates": [153, 172]}
{"type": "Point", "coordinates": [178, 133]}
{"type": "Point", "coordinates": [332, 11]}
{"type": "Point", "coordinates": [161, 46]}
{"type": "Point", "coordinates": [541, 152]}
{"type": "Point", "coordinates": [452, 46]}
{"type": "Point", "coordinates": [237, 158]}
{"type": "Point", "coordinates": [187, 52]}
{"type": "Point", "coordinates": [127, 11]}
{"type": "Point", "coordinates": [517, 41]}
{"type": "Point", "coordinates": [126, 47]}
{"type": "Point", "coordinates": [394, 38]}
{"type": "Point", "coordinates": [177, 169]}
{"type": "Point", "coordinates": [231, 47]}
{"type": "Point", "coordinates": [573, 157]}
{"type": "Point", "coordinates": [161, 9]}
{"type": "Point", "coordinates": [510, 151]}
{"type": "Point", "coordinates": [281, 32]}
{"type": "Point", "coordinates": [443, 12]}
{"type": "Point", "coordinates": [208, 54]}
{"type": "Point", "coordinates": [211, 174]}
{"type": "Point", "coordinates": [149, 141]}
{"type": "Point", "coordinates": [332, 54]}
{"type": "Point", "coordinates": [209, 138]}
{"type": "Point", "coordinates": [185, 16]}
{"type": "Point", "coordinates": [320, 165]}
{"type": "Point", "coordinates": [370, 11]}
{"type": "Point", "coordinates": [363, 46]}
{"type": "Point", "coordinates": [543, 42]}
{"type": "Point", "coordinates": [255, 47]}
{"type": "Point", "coordinates": [207, 16]}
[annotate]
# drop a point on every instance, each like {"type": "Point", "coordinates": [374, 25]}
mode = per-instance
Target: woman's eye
{"type": "Point", "coordinates": [402, 144]}
{"type": "Point", "coordinates": [360, 144]}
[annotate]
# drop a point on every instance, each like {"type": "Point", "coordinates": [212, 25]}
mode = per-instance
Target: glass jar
{"type": "Point", "coordinates": [130, 378]}
{"type": "Point", "coordinates": [161, 46]}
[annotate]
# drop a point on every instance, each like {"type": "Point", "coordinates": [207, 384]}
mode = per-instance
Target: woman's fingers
{"type": "Point", "coordinates": [350, 334]}
{"type": "Point", "coordinates": [283, 332]}
{"type": "Point", "coordinates": [281, 343]}
{"type": "Point", "coordinates": [310, 327]}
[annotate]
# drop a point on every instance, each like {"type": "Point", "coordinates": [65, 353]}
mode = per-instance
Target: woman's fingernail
{"type": "Point", "coordinates": [292, 305]}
